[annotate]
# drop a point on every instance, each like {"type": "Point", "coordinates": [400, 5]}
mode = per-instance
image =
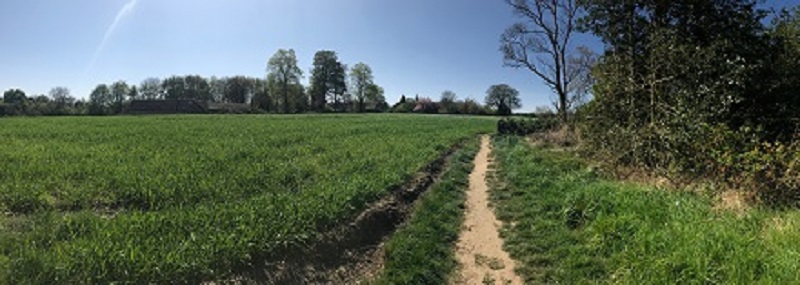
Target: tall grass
{"type": "Point", "coordinates": [567, 225]}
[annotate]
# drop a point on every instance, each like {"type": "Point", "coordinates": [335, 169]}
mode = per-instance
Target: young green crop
{"type": "Point", "coordinates": [190, 198]}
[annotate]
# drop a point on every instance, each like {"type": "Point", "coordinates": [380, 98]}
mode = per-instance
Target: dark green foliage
{"type": "Point", "coordinates": [14, 97]}
{"type": "Point", "coordinates": [261, 99]}
{"type": "Point", "coordinates": [424, 105]}
{"type": "Point", "coordinates": [14, 103]}
{"type": "Point", "coordinates": [675, 74]}
{"type": "Point", "coordinates": [523, 126]}
{"type": "Point", "coordinates": [237, 89]}
{"type": "Point", "coordinates": [403, 107]}
{"type": "Point", "coordinates": [421, 252]}
{"type": "Point", "coordinates": [503, 98]}
{"type": "Point", "coordinates": [100, 100]}
{"type": "Point", "coordinates": [192, 87]}
{"type": "Point", "coordinates": [327, 80]}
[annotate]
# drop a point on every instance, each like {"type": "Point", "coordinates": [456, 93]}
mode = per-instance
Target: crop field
{"type": "Point", "coordinates": [191, 198]}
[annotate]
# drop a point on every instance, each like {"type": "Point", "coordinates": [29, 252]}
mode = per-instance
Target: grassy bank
{"type": "Point", "coordinates": [421, 252]}
{"type": "Point", "coordinates": [570, 226]}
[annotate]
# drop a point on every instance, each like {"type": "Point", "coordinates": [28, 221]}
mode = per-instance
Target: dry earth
{"type": "Point", "coordinates": [480, 248]}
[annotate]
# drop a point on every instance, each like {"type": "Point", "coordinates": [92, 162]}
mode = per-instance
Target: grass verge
{"type": "Point", "coordinates": [421, 251]}
{"type": "Point", "coordinates": [567, 225]}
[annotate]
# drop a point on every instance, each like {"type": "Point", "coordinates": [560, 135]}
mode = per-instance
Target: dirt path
{"type": "Point", "coordinates": [480, 248]}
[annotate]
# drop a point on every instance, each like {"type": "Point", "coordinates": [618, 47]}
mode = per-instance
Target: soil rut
{"type": "Point", "coordinates": [480, 248]}
{"type": "Point", "coordinates": [351, 253]}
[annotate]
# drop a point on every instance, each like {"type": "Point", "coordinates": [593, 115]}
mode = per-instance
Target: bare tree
{"type": "Point", "coordinates": [62, 97]}
{"type": "Point", "coordinates": [579, 70]}
{"type": "Point", "coordinates": [540, 42]}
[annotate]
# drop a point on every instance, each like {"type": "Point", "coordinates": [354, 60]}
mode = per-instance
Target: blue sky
{"type": "Point", "coordinates": [413, 46]}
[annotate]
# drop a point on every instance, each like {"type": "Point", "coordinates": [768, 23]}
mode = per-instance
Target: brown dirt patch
{"type": "Point", "coordinates": [735, 200]}
{"type": "Point", "coordinates": [480, 249]}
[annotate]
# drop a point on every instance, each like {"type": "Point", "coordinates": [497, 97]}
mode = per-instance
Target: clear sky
{"type": "Point", "coordinates": [413, 46]}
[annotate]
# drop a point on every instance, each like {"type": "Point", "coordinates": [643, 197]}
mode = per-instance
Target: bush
{"type": "Point", "coordinates": [521, 126]}
{"type": "Point", "coordinates": [772, 169]}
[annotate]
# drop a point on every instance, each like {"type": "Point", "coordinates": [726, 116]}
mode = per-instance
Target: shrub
{"type": "Point", "coordinates": [771, 169]}
{"type": "Point", "coordinates": [520, 126]}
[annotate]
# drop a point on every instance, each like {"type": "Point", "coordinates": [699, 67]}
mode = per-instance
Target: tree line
{"type": "Point", "coordinates": [684, 89]}
{"type": "Point", "coordinates": [333, 87]}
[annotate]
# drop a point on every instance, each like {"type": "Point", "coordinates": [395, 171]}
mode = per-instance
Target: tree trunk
{"type": "Point", "coordinates": [285, 97]}
{"type": "Point", "coordinates": [562, 98]}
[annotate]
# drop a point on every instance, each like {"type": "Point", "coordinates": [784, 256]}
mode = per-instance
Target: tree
{"type": "Point", "coordinates": [100, 100]}
{"type": "Point", "coordinates": [403, 106]}
{"type": "Point", "coordinates": [191, 87]}
{"type": "Point", "coordinates": [580, 65]}
{"type": "Point", "coordinates": [778, 106]}
{"type": "Point", "coordinates": [197, 88]}
{"type": "Point", "coordinates": [448, 97]}
{"type": "Point", "coordinates": [541, 44]}
{"type": "Point", "coordinates": [261, 98]}
{"type": "Point", "coordinates": [62, 98]}
{"type": "Point", "coordinates": [217, 86]}
{"type": "Point", "coordinates": [282, 74]}
{"type": "Point", "coordinates": [174, 88]}
{"type": "Point", "coordinates": [17, 101]}
{"type": "Point", "coordinates": [119, 90]}
{"type": "Point", "coordinates": [14, 96]}
{"type": "Point", "coordinates": [327, 79]}
{"type": "Point", "coordinates": [673, 77]}
{"type": "Point", "coordinates": [374, 96]}
{"type": "Point", "coordinates": [150, 89]}
{"type": "Point", "coordinates": [360, 78]}
{"type": "Point", "coordinates": [133, 94]}
{"type": "Point", "coordinates": [448, 102]}
{"type": "Point", "coordinates": [504, 98]}
{"type": "Point", "coordinates": [298, 98]}
{"type": "Point", "coordinates": [237, 89]}
{"type": "Point", "coordinates": [470, 106]}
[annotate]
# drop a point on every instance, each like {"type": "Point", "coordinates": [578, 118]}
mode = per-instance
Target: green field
{"type": "Point", "coordinates": [192, 198]}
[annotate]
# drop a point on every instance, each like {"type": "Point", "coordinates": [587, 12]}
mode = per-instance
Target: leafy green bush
{"type": "Point", "coordinates": [715, 101]}
{"type": "Point", "coordinates": [772, 169]}
{"type": "Point", "coordinates": [523, 126]}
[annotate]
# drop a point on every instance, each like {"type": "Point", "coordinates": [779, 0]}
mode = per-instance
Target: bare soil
{"type": "Point", "coordinates": [480, 249]}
